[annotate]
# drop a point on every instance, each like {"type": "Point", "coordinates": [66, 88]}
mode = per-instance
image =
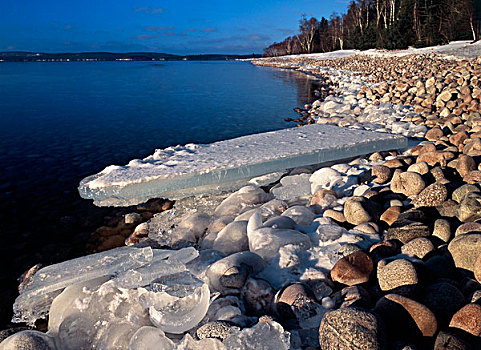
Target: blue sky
{"type": "Point", "coordinates": [171, 26]}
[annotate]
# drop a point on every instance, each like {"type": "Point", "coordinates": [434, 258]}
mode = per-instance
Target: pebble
{"type": "Point", "coordinates": [355, 268]}
{"type": "Point", "coordinates": [352, 296]}
{"type": "Point", "coordinates": [418, 247]}
{"type": "Point", "coordinates": [461, 192]}
{"type": "Point", "coordinates": [360, 329]}
{"type": "Point", "coordinates": [450, 341]}
{"type": "Point", "coordinates": [465, 250]}
{"type": "Point", "coordinates": [442, 230]}
{"type": "Point", "coordinates": [407, 183]}
{"type": "Point", "coordinates": [405, 317]}
{"type": "Point", "coordinates": [396, 274]}
{"type": "Point", "coordinates": [431, 196]}
{"type": "Point", "coordinates": [28, 340]}
{"type": "Point", "coordinates": [468, 227]}
{"type": "Point", "coordinates": [468, 318]}
{"type": "Point", "coordinates": [390, 215]}
{"type": "Point", "coordinates": [216, 329]}
{"type": "Point", "coordinates": [406, 230]}
{"type": "Point", "coordinates": [358, 210]}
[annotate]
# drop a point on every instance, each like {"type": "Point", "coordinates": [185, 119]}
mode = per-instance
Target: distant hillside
{"type": "Point", "coordinates": [22, 56]}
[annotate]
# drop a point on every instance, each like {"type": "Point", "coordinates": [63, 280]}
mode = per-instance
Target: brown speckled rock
{"type": "Point", "coordinates": [431, 196]}
{"type": "Point", "coordinates": [465, 164]}
{"type": "Point", "coordinates": [420, 168]}
{"type": "Point", "coordinates": [335, 215]}
{"type": "Point", "coordinates": [369, 228]}
{"type": "Point", "coordinates": [468, 319]}
{"type": "Point", "coordinates": [381, 174]}
{"type": "Point", "coordinates": [458, 138]}
{"type": "Point", "coordinates": [406, 317]}
{"type": "Point", "coordinates": [353, 269]}
{"type": "Point", "coordinates": [418, 247]}
{"type": "Point", "coordinates": [406, 231]}
{"type": "Point", "coordinates": [465, 250]}
{"type": "Point", "coordinates": [436, 157]}
{"type": "Point", "coordinates": [360, 329]}
{"type": "Point", "coordinates": [358, 210]}
{"type": "Point", "coordinates": [390, 215]}
{"type": "Point", "coordinates": [470, 207]}
{"type": "Point", "coordinates": [407, 183]}
{"type": "Point", "coordinates": [472, 177]}
{"type": "Point", "coordinates": [460, 192]}
{"type": "Point", "coordinates": [468, 227]}
{"type": "Point", "coordinates": [442, 230]}
{"type": "Point", "coordinates": [477, 269]}
{"type": "Point", "coordinates": [397, 273]}
{"type": "Point", "coordinates": [434, 134]}
{"type": "Point", "coordinates": [444, 299]}
{"type": "Point", "coordinates": [451, 341]}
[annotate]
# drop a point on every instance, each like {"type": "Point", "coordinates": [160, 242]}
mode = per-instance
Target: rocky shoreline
{"type": "Point", "coordinates": [382, 251]}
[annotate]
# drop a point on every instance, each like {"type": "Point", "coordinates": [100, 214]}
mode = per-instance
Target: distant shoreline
{"type": "Point", "coordinates": [20, 56]}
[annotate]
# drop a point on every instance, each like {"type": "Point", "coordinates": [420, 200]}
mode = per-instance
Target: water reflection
{"type": "Point", "coordinates": [307, 86]}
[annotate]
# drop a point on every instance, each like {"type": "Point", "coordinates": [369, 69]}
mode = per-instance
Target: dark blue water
{"type": "Point", "coordinates": [60, 122]}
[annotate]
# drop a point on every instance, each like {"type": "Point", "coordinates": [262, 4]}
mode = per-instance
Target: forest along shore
{"type": "Point", "coordinates": [384, 249]}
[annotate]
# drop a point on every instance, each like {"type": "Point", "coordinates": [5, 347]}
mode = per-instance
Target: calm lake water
{"type": "Point", "coordinates": [60, 122]}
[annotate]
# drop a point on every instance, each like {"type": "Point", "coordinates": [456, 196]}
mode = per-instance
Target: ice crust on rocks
{"type": "Point", "coordinates": [181, 171]}
{"type": "Point", "coordinates": [131, 297]}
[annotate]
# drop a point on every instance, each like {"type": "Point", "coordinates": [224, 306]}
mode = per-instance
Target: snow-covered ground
{"type": "Point", "coordinates": [454, 49]}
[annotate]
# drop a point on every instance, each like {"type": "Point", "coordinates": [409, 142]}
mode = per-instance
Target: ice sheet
{"type": "Point", "coordinates": [48, 282]}
{"type": "Point", "coordinates": [181, 171]}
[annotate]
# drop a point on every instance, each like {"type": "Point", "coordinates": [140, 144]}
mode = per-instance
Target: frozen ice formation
{"type": "Point", "coordinates": [34, 301]}
{"type": "Point", "coordinates": [177, 302]}
{"type": "Point", "coordinates": [182, 171]}
{"type": "Point", "coordinates": [232, 253]}
{"type": "Point", "coordinates": [129, 267]}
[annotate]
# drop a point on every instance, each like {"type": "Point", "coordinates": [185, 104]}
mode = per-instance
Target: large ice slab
{"type": "Point", "coordinates": [182, 171]}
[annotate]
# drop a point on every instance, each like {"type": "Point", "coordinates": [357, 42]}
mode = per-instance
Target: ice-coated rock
{"type": "Point", "coordinates": [232, 238]}
{"type": "Point", "coordinates": [206, 257]}
{"type": "Point", "coordinates": [244, 199]}
{"type": "Point", "coordinates": [266, 241]}
{"type": "Point", "coordinates": [233, 270]}
{"type": "Point", "coordinates": [99, 317]}
{"type": "Point", "coordinates": [263, 336]}
{"type": "Point", "coordinates": [300, 214]}
{"type": "Point", "coordinates": [176, 302]}
{"type": "Point", "coordinates": [280, 222]}
{"type": "Point", "coordinates": [324, 178]}
{"type": "Point", "coordinates": [147, 338]}
{"type": "Point", "coordinates": [61, 307]}
{"type": "Point", "coordinates": [48, 282]}
{"type": "Point", "coordinates": [182, 171]}
{"type": "Point", "coordinates": [292, 187]}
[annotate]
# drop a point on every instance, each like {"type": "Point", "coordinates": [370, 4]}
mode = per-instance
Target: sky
{"type": "Point", "coordinates": [169, 26]}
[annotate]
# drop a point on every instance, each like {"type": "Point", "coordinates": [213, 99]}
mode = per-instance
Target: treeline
{"type": "Point", "coordinates": [385, 24]}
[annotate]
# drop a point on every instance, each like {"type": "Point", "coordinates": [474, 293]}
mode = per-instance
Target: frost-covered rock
{"type": "Point", "coordinates": [266, 241]}
{"type": "Point", "coordinates": [263, 336]}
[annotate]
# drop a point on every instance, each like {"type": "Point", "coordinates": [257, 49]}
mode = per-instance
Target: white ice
{"type": "Point", "coordinates": [182, 171]}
